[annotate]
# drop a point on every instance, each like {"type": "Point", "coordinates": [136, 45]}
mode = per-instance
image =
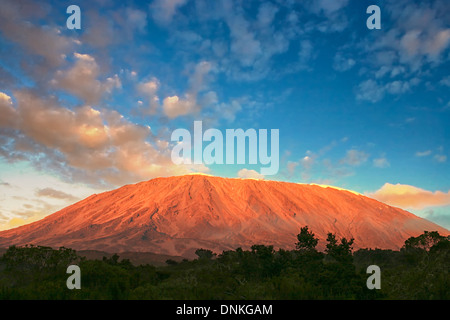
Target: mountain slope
{"type": "Point", "coordinates": [177, 215]}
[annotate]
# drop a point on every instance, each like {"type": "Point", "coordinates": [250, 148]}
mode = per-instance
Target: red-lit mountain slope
{"type": "Point", "coordinates": [177, 215]}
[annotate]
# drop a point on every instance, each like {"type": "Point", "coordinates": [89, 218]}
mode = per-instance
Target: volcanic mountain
{"type": "Point", "coordinates": [178, 215]}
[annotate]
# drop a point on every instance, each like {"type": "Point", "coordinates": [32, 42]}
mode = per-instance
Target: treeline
{"type": "Point", "coordinates": [418, 271]}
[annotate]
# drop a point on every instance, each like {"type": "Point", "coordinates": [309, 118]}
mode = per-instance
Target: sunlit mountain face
{"type": "Point", "coordinates": [177, 215]}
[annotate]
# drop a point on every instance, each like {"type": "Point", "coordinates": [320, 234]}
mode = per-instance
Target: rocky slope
{"type": "Point", "coordinates": [177, 215]}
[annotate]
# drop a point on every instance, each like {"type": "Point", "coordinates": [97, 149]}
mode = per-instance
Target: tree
{"type": "Point", "coordinates": [341, 252]}
{"type": "Point", "coordinates": [306, 240]}
{"type": "Point", "coordinates": [425, 241]}
{"type": "Point", "coordinates": [30, 257]}
{"type": "Point", "coordinates": [171, 262]}
{"type": "Point", "coordinates": [204, 254]}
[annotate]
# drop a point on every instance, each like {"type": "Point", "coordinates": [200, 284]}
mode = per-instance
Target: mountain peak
{"type": "Point", "coordinates": [176, 215]}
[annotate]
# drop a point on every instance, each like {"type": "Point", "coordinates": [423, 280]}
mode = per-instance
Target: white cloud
{"type": "Point", "coordinates": [445, 81]}
{"type": "Point", "coordinates": [440, 158]}
{"type": "Point", "coordinates": [163, 11]}
{"type": "Point", "coordinates": [244, 44]}
{"type": "Point", "coordinates": [423, 153]}
{"type": "Point", "coordinates": [329, 6]}
{"type": "Point", "coordinates": [342, 63]}
{"type": "Point", "coordinates": [137, 19]}
{"type": "Point", "coordinates": [381, 162]}
{"type": "Point", "coordinates": [354, 157]}
{"type": "Point", "coordinates": [305, 53]}
{"type": "Point", "coordinates": [266, 14]}
{"type": "Point", "coordinates": [373, 91]}
{"type": "Point", "coordinates": [249, 174]}
{"type": "Point", "coordinates": [416, 40]}
{"type": "Point", "coordinates": [308, 161]}
{"type": "Point", "coordinates": [369, 90]}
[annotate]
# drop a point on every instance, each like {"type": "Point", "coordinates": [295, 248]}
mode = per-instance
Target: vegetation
{"type": "Point", "coordinates": [418, 271]}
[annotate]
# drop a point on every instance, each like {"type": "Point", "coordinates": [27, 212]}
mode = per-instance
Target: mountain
{"type": "Point", "coordinates": [177, 215]}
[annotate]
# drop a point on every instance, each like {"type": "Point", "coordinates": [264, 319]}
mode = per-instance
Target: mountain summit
{"type": "Point", "coordinates": [177, 215]}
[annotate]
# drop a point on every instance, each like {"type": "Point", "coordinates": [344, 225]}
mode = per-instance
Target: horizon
{"type": "Point", "coordinates": [89, 110]}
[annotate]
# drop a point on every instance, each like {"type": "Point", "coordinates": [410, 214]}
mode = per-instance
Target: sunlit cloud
{"type": "Point", "coordinates": [100, 143]}
{"type": "Point", "coordinates": [410, 197]}
{"type": "Point", "coordinates": [249, 174]}
{"type": "Point", "coordinates": [82, 80]}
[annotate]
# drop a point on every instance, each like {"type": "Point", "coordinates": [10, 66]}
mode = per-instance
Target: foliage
{"type": "Point", "coordinates": [204, 254]}
{"type": "Point", "coordinates": [418, 271]}
{"type": "Point", "coordinates": [425, 241]}
{"type": "Point", "coordinates": [306, 240]}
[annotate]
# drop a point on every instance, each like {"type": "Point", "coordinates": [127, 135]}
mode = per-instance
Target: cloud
{"type": "Point", "coordinates": [240, 43]}
{"type": "Point", "coordinates": [332, 14]}
{"type": "Point", "coordinates": [163, 11]}
{"type": "Point", "coordinates": [305, 53]}
{"type": "Point", "coordinates": [249, 174]}
{"type": "Point", "coordinates": [174, 106]}
{"type": "Point", "coordinates": [440, 158]}
{"type": "Point", "coordinates": [83, 144]}
{"type": "Point", "coordinates": [381, 162]}
{"type": "Point", "coordinates": [445, 81]}
{"type": "Point", "coordinates": [99, 31]}
{"type": "Point", "coordinates": [6, 110]}
{"type": "Point", "coordinates": [308, 161]}
{"type": "Point", "coordinates": [266, 14]}
{"type": "Point", "coordinates": [137, 19]}
{"type": "Point", "coordinates": [244, 44]}
{"type": "Point", "coordinates": [328, 6]}
{"type": "Point", "coordinates": [150, 89]}
{"type": "Point", "coordinates": [423, 153]}
{"type": "Point", "coordinates": [410, 197]}
{"type": "Point", "coordinates": [82, 80]}
{"type": "Point", "coordinates": [438, 215]}
{"type": "Point", "coordinates": [291, 165]}
{"type": "Point", "coordinates": [416, 39]}
{"type": "Point", "coordinates": [42, 41]}
{"type": "Point", "coordinates": [342, 63]}
{"type": "Point", "coordinates": [19, 221]}
{"type": "Point", "coordinates": [311, 164]}
{"type": "Point", "coordinates": [370, 90]}
{"type": "Point", "coordinates": [52, 193]}
{"type": "Point", "coordinates": [354, 157]}
{"type": "Point", "coordinates": [373, 91]}
{"type": "Point", "coordinates": [420, 34]}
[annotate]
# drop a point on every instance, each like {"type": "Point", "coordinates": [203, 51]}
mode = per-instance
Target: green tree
{"type": "Point", "coordinates": [340, 252]}
{"type": "Point", "coordinates": [306, 240]}
{"type": "Point", "coordinates": [204, 254]}
{"type": "Point", "coordinates": [425, 241]}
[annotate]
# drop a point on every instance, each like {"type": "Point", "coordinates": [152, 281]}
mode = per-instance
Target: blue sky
{"type": "Point", "coordinates": [92, 109]}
